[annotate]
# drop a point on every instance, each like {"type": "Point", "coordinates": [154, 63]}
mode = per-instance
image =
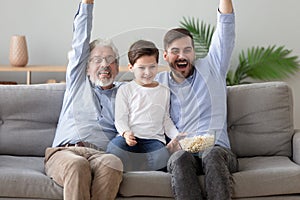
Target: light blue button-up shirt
{"type": "Point", "coordinates": [88, 112]}
{"type": "Point", "coordinates": [198, 104]}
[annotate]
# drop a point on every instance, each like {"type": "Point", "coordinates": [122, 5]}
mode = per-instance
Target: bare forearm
{"type": "Point", "coordinates": [88, 1]}
{"type": "Point", "coordinates": [225, 6]}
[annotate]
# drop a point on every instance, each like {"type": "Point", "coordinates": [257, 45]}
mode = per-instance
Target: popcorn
{"type": "Point", "coordinates": [199, 143]}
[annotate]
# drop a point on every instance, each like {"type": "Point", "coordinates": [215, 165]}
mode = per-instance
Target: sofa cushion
{"type": "Point", "coordinates": [260, 119]}
{"type": "Point", "coordinates": [257, 176]}
{"type": "Point", "coordinates": [266, 176]}
{"type": "Point", "coordinates": [146, 183]}
{"type": "Point", "coordinates": [24, 177]}
{"type": "Point", "coordinates": [28, 117]}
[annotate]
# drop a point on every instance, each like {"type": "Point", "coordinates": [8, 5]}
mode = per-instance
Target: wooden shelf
{"type": "Point", "coordinates": [32, 68]}
{"type": "Point", "coordinates": [51, 68]}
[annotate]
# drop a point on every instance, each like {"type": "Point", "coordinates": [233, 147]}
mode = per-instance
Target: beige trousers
{"type": "Point", "coordinates": [84, 173]}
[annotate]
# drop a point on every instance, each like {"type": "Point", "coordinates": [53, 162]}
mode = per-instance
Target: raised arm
{"type": "Point", "coordinates": [225, 6]}
{"type": "Point", "coordinates": [223, 40]}
{"type": "Point", "coordinates": [82, 26]}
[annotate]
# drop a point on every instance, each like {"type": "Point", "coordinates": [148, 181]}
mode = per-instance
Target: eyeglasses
{"type": "Point", "coordinates": [176, 51]}
{"type": "Point", "coordinates": [98, 59]}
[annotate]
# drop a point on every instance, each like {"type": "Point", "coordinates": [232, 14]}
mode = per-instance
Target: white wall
{"type": "Point", "coordinates": [48, 27]}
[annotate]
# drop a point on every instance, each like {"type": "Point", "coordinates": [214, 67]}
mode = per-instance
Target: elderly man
{"type": "Point", "coordinates": [77, 160]}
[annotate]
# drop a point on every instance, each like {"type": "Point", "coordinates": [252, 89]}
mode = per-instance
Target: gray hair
{"type": "Point", "coordinates": [105, 43]}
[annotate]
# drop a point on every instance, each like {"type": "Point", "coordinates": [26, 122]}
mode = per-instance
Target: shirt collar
{"type": "Point", "coordinates": [187, 80]}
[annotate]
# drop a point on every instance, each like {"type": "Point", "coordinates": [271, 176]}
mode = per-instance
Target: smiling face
{"type": "Point", "coordinates": [143, 62]}
{"type": "Point", "coordinates": [102, 67]}
{"type": "Point", "coordinates": [180, 55]}
{"type": "Point", "coordinates": [145, 69]}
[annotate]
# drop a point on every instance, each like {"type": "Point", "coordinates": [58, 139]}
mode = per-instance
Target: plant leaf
{"type": "Point", "coordinates": [257, 62]}
{"type": "Point", "coordinates": [267, 63]}
{"type": "Point", "coordinates": [202, 34]}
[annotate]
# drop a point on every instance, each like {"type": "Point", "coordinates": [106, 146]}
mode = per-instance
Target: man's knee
{"type": "Point", "coordinates": [221, 156]}
{"type": "Point", "coordinates": [111, 161]}
{"type": "Point", "coordinates": [79, 165]}
{"type": "Point", "coordinates": [179, 158]}
{"type": "Point", "coordinates": [217, 152]}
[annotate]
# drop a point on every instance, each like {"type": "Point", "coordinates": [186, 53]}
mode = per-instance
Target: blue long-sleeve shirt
{"type": "Point", "coordinates": [198, 103]}
{"type": "Point", "coordinates": [88, 112]}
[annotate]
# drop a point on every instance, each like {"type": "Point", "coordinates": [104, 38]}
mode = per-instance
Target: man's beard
{"type": "Point", "coordinates": [103, 83]}
{"type": "Point", "coordinates": [176, 69]}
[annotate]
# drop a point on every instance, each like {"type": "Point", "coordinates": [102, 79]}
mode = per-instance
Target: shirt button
{"type": "Point", "coordinates": [99, 117]}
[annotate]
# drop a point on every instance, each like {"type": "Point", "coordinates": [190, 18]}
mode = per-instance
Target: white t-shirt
{"type": "Point", "coordinates": [144, 111]}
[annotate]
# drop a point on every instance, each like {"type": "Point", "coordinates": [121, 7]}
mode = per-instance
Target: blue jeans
{"type": "Point", "coordinates": [217, 165]}
{"type": "Point", "coordinates": [146, 155]}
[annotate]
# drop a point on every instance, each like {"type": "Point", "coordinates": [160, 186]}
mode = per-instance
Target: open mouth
{"type": "Point", "coordinates": [104, 72]}
{"type": "Point", "coordinates": [181, 64]}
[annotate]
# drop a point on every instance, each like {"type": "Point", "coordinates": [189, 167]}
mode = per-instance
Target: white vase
{"type": "Point", "coordinates": [18, 54]}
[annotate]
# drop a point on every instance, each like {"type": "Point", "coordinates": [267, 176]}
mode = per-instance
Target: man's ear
{"type": "Point", "coordinates": [165, 56]}
{"type": "Point", "coordinates": [88, 70]}
{"type": "Point", "coordinates": [118, 70]}
{"type": "Point", "coordinates": [130, 67]}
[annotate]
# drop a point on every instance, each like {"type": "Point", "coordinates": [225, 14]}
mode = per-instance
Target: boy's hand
{"type": "Point", "coordinates": [129, 138]}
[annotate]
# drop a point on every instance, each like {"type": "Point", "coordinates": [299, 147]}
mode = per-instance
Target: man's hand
{"type": "Point", "coordinates": [174, 145]}
{"type": "Point", "coordinates": [226, 6]}
{"type": "Point", "coordinates": [88, 1]}
{"type": "Point", "coordinates": [129, 138]}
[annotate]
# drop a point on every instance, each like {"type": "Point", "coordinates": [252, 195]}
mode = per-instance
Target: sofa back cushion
{"type": "Point", "coordinates": [260, 119]}
{"type": "Point", "coordinates": [28, 117]}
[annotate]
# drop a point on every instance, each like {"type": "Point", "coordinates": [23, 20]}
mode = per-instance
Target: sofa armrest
{"type": "Point", "coordinates": [296, 146]}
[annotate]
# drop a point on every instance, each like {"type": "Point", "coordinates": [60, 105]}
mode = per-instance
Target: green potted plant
{"type": "Point", "coordinates": [258, 63]}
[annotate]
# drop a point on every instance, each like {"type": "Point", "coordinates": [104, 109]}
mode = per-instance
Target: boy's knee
{"type": "Point", "coordinates": [116, 145]}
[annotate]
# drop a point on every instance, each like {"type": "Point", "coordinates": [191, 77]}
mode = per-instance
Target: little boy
{"type": "Point", "coordinates": [142, 113]}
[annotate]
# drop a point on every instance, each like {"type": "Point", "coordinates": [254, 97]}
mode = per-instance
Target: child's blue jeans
{"type": "Point", "coordinates": [147, 154]}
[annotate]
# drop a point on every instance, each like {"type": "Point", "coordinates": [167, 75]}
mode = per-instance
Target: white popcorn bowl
{"type": "Point", "coordinates": [197, 143]}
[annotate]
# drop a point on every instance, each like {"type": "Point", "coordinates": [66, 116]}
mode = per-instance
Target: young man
{"type": "Point", "coordinates": [198, 103]}
{"type": "Point", "coordinates": [78, 161]}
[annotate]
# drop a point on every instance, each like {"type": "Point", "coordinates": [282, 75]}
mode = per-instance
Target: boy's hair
{"type": "Point", "coordinates": [175, 34]}
{"type": "Point", "coordinates": [142, 48]}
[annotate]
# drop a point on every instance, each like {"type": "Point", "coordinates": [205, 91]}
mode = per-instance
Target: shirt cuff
{"type": "Point", "coordinates": [86, 8]}
{"type": "Point", "coordinates": [226, 18]}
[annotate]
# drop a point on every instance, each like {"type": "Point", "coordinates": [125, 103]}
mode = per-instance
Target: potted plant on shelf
{"type": "Point", "coordinates": [258, 63]}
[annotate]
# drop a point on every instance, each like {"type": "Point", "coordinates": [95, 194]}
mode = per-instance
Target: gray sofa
{"type": "Point", "coordinates": [260, 126]}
